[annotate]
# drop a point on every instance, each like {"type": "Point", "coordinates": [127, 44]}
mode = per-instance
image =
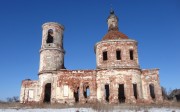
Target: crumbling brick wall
{"type": "Point", "coordinates": [124, 45]}
{"type": "Point", "coordinates": [76, 79]}
{"type": "Point", "coordinates": [73, 80]}
{"type": "Point", "coordinates": [151, 77]}
{"type": "Point", "coordinates": [114, 77]}
{"type": "Point", "coordinates": [29, 91]}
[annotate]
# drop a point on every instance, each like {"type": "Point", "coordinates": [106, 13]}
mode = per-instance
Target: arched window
{"type": "Point", "coordinates": [86, 92]}
{"type": "Point", "coordinates": [50, 36]}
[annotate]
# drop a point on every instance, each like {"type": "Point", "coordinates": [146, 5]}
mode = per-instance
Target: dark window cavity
{"type": "Point", "coordinates": [131, 54]}
{"type": "Point", "coordinates": [50, 36]}
{"type": "Point", "coordinates": [107, 92]}
{"type": "Point", "coordinates": [118, 55]}
{"type": "Point", "coordinates": [105, 56]}
{"type": "Point", "coordinates": [135, 90]}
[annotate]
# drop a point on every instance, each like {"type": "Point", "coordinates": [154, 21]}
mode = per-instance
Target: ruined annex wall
{"type": "Point", "coordinates": [29, 91]}
{"type": "Point", "coordinates": [148, 77]}
{"type": "Point", "coordinates": [114, 77]}
{"type": "Point", "coordinates": [69, 82]}
{"type": "Point", "coordinates": [111, 46]}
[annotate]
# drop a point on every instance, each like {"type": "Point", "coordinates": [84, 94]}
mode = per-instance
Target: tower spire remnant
{"type": "Point", "coordinates": [112, 21]}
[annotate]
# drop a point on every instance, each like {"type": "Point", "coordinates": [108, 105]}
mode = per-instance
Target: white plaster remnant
{"type": "Point", "coordinates": [65, 90]}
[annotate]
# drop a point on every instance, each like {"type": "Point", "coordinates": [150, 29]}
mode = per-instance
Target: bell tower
{"type": "Point", "coordinates": [52, 51]}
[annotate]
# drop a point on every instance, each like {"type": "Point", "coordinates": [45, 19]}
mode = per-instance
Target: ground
{"type": "Point", "coordinates": [98, 107]}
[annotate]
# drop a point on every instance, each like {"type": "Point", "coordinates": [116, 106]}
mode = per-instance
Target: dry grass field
{"type": "Point", "coordinates": [98, 107]}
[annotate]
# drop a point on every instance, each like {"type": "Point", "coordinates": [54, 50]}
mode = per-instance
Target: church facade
{"type": "Point", "coordinates": [117, 78]}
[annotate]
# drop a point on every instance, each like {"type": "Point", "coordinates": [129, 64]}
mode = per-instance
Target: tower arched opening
{"type": "Point", "coordinates": [50, 38]}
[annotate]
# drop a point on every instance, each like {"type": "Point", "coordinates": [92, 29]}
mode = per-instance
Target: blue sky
{"type": "Point", "coordinates": [155, 24]}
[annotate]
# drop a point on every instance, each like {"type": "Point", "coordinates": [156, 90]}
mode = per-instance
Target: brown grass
{"type": "Point", "coordinates": [96, 106]}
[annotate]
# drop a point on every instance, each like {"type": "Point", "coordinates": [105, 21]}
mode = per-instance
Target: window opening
{"type": "Point", "coordinates": [107, 92]}
{"type": "Point", "coordinates": [118, 55]}
{"type": "Point", "coordinates": [105, 56]}
{"type": "Point", "coordinates": [131, 54]}
{"type": "Point", "coordinates": [86, 92]}
{"type": "Point", "coordinates": [135, 90]}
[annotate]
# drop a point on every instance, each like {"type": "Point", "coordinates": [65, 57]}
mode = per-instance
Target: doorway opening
{"type": "Point", "coordinates": [121, 95]}
{"type": "Point", "coordinates": [76, 95]}
{"type": "Point", "coordinates": [107, 92]}
{"type": "Point", "coordinates": [47, 94]}
{"type": "Point", "coordinates": [152, 94]}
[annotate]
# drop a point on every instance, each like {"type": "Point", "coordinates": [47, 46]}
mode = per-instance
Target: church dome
{"type": "Point", "coordinates": [114, 34]}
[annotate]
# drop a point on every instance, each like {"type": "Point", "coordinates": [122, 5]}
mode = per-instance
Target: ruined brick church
{"type": "Point", "coordinates": [117, 78]}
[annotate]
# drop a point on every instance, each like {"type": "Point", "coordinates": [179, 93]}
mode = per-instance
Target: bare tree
{"type": "Point", "coordinates": [164, 93]}
{"type": "Point", "coordinates": [13, 99]}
